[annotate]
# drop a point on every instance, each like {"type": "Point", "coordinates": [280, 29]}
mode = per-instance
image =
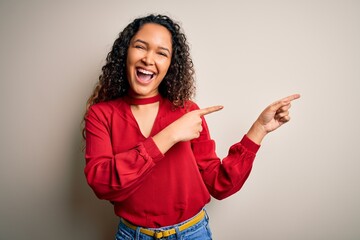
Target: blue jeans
{"type": "Point", "coordinates": [199, 231]}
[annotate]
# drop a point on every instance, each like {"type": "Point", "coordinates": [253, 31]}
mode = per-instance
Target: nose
{"type": "Point", "coordinates": [148, 58]}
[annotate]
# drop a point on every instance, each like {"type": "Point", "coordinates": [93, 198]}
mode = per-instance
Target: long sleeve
{"type": "Point", "coordinates": [226, 177]}
{"type": "Point", "coordinates": [115, 176]}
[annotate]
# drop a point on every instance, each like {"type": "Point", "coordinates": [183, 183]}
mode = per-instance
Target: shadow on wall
{"type": "Point", "coordinates": [93, 218]}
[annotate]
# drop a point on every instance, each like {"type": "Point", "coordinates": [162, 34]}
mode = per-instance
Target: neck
{"type": "Point", "coordinates": [143, 101]}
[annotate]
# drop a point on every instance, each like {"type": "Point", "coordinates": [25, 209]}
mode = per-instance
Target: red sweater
{"type": "Point", "coordinates": [152, 189]}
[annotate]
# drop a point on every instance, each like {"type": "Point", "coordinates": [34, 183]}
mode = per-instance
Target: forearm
{"type": "Point", "coordinates": [225, 177]}
{"type": "Point", "coordinates": [165, 139]}
{"type": "Point", "coordinates": [115, 176]}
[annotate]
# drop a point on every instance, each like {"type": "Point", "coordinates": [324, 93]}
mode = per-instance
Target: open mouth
{"type": "Point", "coordinates": [144, 76]}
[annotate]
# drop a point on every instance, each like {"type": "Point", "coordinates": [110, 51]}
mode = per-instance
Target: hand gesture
{"type": "Point", "coordinates": [185, 128]}
{"type": "Point", "coordinates": [189, 125]}
{"type": "Point", "coordinates": [276, 114]}
{"type": "Point", "coordinates": [271, 118]}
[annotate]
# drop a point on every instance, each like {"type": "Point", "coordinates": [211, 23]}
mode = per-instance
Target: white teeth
{"type": "Point", "coordinates": [143, 71]}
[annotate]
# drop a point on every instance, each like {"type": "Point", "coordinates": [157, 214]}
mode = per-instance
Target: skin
{"type": "Point", "coordinates": [151, 49]}
{"type": "Point", "coordinates": [274, 116]}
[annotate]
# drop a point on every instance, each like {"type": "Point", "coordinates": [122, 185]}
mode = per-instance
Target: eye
{"type": "Point", "coordinates": [164, 54]}
{"type": "Point", "coordinates": [139, 46]}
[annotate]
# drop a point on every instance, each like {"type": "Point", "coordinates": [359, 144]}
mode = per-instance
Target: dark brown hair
{"type": "Point", "coordinates": [178, 85]}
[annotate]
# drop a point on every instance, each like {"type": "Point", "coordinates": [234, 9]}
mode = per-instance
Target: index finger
{"type": "Point", "coordinates": [209, 110]}
{"type": "Point", "coordinates": [290, 98]}
{"type": "Point", "coordinates": [285, 101]}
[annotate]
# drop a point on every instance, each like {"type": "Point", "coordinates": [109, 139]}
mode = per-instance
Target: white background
{"type": "Point", "coordinates": [305, 183]}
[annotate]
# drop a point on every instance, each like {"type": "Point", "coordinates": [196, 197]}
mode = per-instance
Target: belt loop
{"type": "Point", "coordinates": [137, 234]}
{"type": "Point", "coordinates": [178, 234]}
{"type": "Point", "coordinates": [206, 215]}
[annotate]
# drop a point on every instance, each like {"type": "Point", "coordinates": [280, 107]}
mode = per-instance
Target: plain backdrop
{"type": "Point", "coordinates": [305, 183]}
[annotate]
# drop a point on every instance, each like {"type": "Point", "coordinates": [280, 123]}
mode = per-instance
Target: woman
{"type": "Point", "coordinates": [148, 148]}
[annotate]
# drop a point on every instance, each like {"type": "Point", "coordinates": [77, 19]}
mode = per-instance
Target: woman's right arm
{"type": "Point", "coordinates": [115, 177]}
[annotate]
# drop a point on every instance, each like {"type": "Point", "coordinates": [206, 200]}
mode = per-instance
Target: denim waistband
{"type": "Point", "coordinates": [134, 232]}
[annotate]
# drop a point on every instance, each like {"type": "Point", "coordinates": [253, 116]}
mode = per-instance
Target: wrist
{"type": "Point", "coordinates": [171, 134]}
{"type": "Point", "coordinates": [165, 139]}
{"type": "Point", "coordinates": [256, 133]}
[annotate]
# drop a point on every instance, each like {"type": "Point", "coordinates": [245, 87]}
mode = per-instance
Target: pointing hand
{"type": "Point", "coordinates": [271, 118]}
{"type": "Point", "coordinates": [189, 125]}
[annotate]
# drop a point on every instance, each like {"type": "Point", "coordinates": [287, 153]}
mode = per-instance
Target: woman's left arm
{"type": "Point", "coordinates": [226, 177]}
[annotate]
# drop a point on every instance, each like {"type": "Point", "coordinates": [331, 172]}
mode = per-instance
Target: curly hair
{"type": "Point", "coordinates": [178, 85]}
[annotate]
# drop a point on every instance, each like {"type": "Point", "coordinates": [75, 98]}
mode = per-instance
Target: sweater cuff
{"type": "Point", "coordinates": [249, 144]}
{"type": "Point", "coordinates": [153, 150]}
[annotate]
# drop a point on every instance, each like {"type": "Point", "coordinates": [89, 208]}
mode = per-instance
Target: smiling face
{"type": "Point", "coordinates": [148, 59]}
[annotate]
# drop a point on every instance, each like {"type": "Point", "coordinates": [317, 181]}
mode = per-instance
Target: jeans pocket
{"type": "Point", "coordinates": [122, 234]}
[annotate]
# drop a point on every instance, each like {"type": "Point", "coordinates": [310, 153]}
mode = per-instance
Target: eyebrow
{"type": "Point", "coordinates": [163, 48]}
